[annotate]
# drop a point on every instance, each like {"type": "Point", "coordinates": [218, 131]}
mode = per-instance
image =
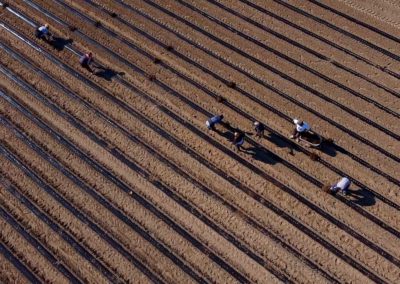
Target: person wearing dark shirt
{"type": "Point", "coordinates": [259, 128]}
{"type": "Point", "coordinates": [238, 140]}
{"type": "Point", "coordinates": [86, 60]}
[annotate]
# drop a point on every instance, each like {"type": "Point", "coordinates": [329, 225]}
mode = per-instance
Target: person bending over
{"type": "Point", "coordinates": [210, 123]}
{"type": "Point", "coordinates": [301, 127]}
{"type": "Point", "coordinates": [341, 186]}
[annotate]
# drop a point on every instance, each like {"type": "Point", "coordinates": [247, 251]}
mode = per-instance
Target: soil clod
{"type": "Point", "coordinates": [220, 99]}
{"type": "Point", "coordinates": [151, 77]}
{"type": "Point", "coordinates": [231, 85]}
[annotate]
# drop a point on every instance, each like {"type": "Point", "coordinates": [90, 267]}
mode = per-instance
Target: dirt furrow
{"type": "Point", "coordinates": [279, 100]}
{"type": "Point", "coordinates": [303, 184]}
{"type": "Point", "coordinates": [257, 53]}
{"type": "Point", "coordinates": [9, 273]}
{"type": "Point", "coordinates": [168, 175]}
{"type": "Point", "coordinates": [324, 71]}
{"type": "Point", "coordinates": [383, 15]}
{"type": "Point", "coordinates": [363, 33]}
{"type": "Point", "coordinates": [36, 262]}
{"type": "Point", "coordinates": [321, 29]}
{"type": "Point", "coordinates": [173, 153]}
{"type": "Point", "coordinates": [162, 231]}
{"type": "Point", "coordinates": [306, 37]}
{"type": "Point", "coordinates": [311, 167]}
{"type": "Point", "coordinates": [129, 238]}
{"type": "Point", "coordinates": [42, 231]}
{"type": "Point", "coordinates": [388, 213]}
{"type": "Point", "coordinates": [384, 163]}
{"type": "Point", "coordinates": [188, 220]}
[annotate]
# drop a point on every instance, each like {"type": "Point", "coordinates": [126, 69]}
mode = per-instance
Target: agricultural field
{"type": "Point", "coordinates": [112, 176]}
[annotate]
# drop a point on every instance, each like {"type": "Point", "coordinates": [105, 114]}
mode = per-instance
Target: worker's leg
{"type": "Point", "coordinates": [345, 190]}
{"type": "Point", "coordinates": [295, 134]}
{"type": "Point", "coordinates": [38, 34]}
{"type": "Point", "coordinates": [87, 67]}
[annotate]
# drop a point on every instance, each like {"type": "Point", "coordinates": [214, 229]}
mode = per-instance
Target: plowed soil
{"type": "Point", "coordinates": [114, 177]}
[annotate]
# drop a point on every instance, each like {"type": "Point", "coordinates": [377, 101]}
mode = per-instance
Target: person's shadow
{"type": "Point", "coordinates": [362, 197]}
{"type": "Point", "coordinates": [107, 73]}
{"type": "Point", "coordinates": [328, 147]}
{"type": "Point", "coordinates": [59, 43]}
{"type": "Point", "coordinates": [256, 152]}
{"type": "Point", "coordinates": [228, 135]}
{"type": "Point", "coordinates": [277, 140]}
{"type": "Point", "coordinates": [260, 154]}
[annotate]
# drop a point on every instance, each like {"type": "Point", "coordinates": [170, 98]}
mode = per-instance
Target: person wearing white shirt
{"type": "Point", "coordinates": [301, 127]}
{"type": "Point", "coordinates": [341, 186]}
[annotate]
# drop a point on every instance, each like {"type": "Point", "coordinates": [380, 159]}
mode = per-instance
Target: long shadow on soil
{"type": "Point", "coordinates": [278, 141]}
{"type": "Point", "coordinates": [59, 43]}
{"type": "Point", "coordinates": [107, 73]}
{"type": "Point", "coordinates": [328, 148]}
{"type": "Point", "coordinates": [362, 197]}
{"type": "Point", "coordinates": [260, 155]}
{"type": "Point", "coordinates": [257, 153]}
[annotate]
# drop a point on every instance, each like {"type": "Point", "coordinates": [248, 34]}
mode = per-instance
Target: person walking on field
{"type": "Point", "coordinates": [301, 128]}
{"type": "Point", "coordinates": [259, 128]}
{"type": "Point", "coordinates": [43, 32]}
{"type": "Point", "coordinates": [214, 121]}
{"type": "Point", "coordinates": [238, 140]}
{"type": "Point", "coordinates": [86, 60]}
{"type": "Point", "coordinates": [342, 186]}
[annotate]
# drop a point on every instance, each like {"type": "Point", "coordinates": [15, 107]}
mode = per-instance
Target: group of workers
{"type": "Point", "coordinates": [86, 60]}
{"type": "Point", "coordinates": [301, 127]}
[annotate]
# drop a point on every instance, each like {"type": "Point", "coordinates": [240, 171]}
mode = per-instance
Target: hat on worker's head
{"type": "Point", "coordinates": [296, 121]}
{"type": "Point", "coordinates": [256, 123]}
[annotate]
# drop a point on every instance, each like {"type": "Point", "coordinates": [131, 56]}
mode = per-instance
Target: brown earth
{"type": "Point", "coordinates": [255, 255]}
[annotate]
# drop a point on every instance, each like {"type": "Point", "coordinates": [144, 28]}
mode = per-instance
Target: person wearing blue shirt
{"type": "Point", "coordinates": [43, 32]}
{"type": "Point", "coordinates": [214, 121]}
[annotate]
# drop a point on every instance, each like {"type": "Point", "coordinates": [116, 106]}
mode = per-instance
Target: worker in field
{"type": "Point", "coordinates": [214, 121]}
{"type": "Point", "coordinates": [86, 60]}
{"type": "Point", "coordinates": [341, 186]}
{"type": "Point", "coordinates": [238, 140]}
{"type": "Point", "coordinates": [301, 127]}
{"type": "Point", "coordinates": [259, 128]}
{"type": "Point", "coordinates": [43, 32]}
